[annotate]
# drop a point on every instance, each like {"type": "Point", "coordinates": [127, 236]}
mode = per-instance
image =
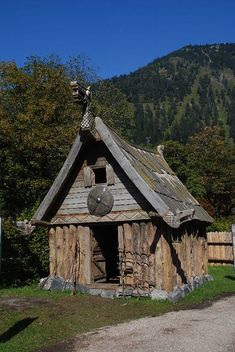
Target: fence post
{"type": "Point", "coordinates": [233, 239]}
{"type": "Point", "coordinates": [0, 242]}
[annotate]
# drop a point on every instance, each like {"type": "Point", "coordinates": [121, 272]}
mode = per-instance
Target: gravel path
{"type": "Point", "coordinates": [199, 330]}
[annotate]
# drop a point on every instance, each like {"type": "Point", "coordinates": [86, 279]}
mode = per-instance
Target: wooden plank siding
{"type": "Point", "coordinates": [220, 248]}
{"type": "Point", "coordinates": [125, 194]}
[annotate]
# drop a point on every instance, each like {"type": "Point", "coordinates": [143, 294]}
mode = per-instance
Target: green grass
{"type": "Point", "coordinates": [224, 283]}
{"type": "Point", "coordinates": [57, 316]}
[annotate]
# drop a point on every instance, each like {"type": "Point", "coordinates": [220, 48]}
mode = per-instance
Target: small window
{"type": "Point", "coordinates": [100, 175]}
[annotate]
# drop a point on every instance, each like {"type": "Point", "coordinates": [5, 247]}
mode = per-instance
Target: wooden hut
{"type": "Point", "coordinates": [118, 214]}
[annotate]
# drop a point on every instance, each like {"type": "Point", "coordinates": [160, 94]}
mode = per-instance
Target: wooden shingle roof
{"type": "Point", "coordinates": [147, 170]}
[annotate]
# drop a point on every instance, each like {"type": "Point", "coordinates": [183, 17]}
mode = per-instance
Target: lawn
{"type": "Point", "coordinates": [31, 318]}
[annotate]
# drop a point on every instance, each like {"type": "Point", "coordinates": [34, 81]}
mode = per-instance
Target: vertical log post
{"type": "Point", "coordinates": [74, 253]}
{"type": "Point", "coordinates": [121, 255]}
{"type": "Point", "coordinates": [158, 262]}
{"type": "Point", "coordinates": [52, 248]}
{"type": "Point", "coordinates": [66, 263]}
{"type": "Point", "coordinates": [85, 254]}
{"type": "Point", "coordinates": [151, 231]}
{"type": "Point", "coordinates": [128, 244]}
{"type": "Point", "coordinates": [166, 264]}
{"type": "Point", "coordinates": [136, 255]}
{"type": "Point", "coordinates": [59, 250]}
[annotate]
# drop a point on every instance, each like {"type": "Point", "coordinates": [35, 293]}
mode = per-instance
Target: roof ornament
{"type": "Point", "coordinates": [82, 95]}
{"type": "Point", "coordinates": [160, 149]}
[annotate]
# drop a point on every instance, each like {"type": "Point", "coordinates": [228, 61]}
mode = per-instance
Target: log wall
{"type": "Point", "coordinates": [70, 253]}
{"type": "Point", "coordinates": [150, 255]}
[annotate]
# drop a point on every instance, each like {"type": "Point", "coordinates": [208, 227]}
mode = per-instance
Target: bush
{"type": "Point", "coordinates": [24, 256]}
{"type": "Point", "coordinates": [222, 224]}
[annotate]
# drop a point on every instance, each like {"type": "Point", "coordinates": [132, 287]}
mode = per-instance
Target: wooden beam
{"type": "Point", "coordinates": [40, 223]}
{"type": "Point", "coordinates": [153, 198]}
{"type": "Point", "coordinates": [59, 181]}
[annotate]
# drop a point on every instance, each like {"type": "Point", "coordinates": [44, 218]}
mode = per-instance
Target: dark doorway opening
{"type": "Point", "coordinates": [105, 254]}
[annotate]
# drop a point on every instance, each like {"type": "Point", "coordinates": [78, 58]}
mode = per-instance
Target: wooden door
{"type": "Point", "coordinates": [105, 254]}
{"type": "Point", "coordinates": [98, 261]}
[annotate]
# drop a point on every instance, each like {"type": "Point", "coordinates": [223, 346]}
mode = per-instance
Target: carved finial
{"type": "Point", "coordinates": [81, 95]}
{"type": "Point", "coordinates": [160, 149]}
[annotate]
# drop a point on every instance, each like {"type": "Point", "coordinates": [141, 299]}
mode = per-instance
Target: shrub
{"type": "Point", "coordinates": [221, 224]}
{"type": "Point", "coordinates": [24, 256]}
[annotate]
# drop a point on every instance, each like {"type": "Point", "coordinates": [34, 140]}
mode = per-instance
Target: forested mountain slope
{"type": "Point", "coordinates": [178, 95]}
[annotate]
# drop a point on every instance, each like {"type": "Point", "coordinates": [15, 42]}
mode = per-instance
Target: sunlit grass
{"type": "Point", "coordinates": [57, 316]}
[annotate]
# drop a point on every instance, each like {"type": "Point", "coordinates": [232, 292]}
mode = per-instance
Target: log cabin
{"type": "Point", "coordinates": [117, 214]}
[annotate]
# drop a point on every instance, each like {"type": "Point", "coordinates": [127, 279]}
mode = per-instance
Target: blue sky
{"type": "Point", "coordinates": [118, 36]}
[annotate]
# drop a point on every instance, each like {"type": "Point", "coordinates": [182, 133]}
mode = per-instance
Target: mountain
{"type": "Point", "coordinates": [176, 96]}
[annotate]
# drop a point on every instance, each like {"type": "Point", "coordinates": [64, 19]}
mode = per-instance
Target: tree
{"type": "Point", "coordinates": [176, 155]}
{"type": "Point", "coordinates": [38, 122]}
{"type": "Point", "coordinates": [111, 104]}
{"type": "Point", "coordinates": [211, 161]}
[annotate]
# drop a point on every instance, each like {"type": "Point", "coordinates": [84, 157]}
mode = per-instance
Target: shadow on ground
{"type": "Point", "coordinates": [16, 329]}
{"type": "Point", "coordinates": [230, 277]}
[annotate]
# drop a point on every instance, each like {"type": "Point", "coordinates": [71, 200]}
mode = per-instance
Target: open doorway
{"type": "Point", "coordinates": [105, 263]}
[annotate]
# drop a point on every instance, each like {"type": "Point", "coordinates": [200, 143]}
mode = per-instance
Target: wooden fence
{"type": "Point", "coordinates": [220, 248]}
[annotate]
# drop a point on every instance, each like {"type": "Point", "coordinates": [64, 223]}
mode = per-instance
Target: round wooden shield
{"type": "Point", "coordinates": [100, 201]}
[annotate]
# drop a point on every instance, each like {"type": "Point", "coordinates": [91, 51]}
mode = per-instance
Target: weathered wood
{"type": "Point", "coordinates": [110, 175]}
{"type": "Point", "coordinates": [66, 262]}
{"type": "Point", "coordinates": [205, 256]}
{"type": "Point", "coordinates": [128, 245]}
{"type": "Point", "coordinates": [146, 258]}
{"type": "Point", "coordinates": [188, 249]}
{"type": "Point", "coordinates": [59, 181]}
{"type": "Point", "coordinates": [82, 218]}
{"type": "Point", "coordinates": [100, 162]}
{"type": "Point", "coordinates": [194, 255]}
{"type": "Point", "coordinates": [40, 223]}
{"type": "Point", "coordinates": [166, 264]}
{"type": "Point", "coordinates": [145, 253]}
{"type": "Point", "coordinates": [121, 254]}
{"type": "Point", "coordinates": [220, 247]}
{"type": "Point", "coordinates": [126, 196]}
{"type": "Point", "coordinates": [199, 257]}
{"type": "Point", "coordinates": [121, 198]}
{"type": "Point", "coordinates": [98, 260]}
{"type": "Point", "coordinates": [118, 206]}
{"type": "Point", "coordinates": [150, 239]}
{"type": "Point", "coordinates": [75, 253]}
{"type": "Point", "coordinates": [158, 262]}
{"type": "Point", "coordinates": [70, 238]}
{"type": "Point", "coordinates": [178, 249]}
{"type": "Point", "coordinates": [52, 247]}
{"type": "Point", "coordinates": [136, 255]}
{"type": "Point", "coordinates": [175, 260]}
{"type": "Point", "coordinates": [89, 176]}
{"type": "Point", "coordinates": [119, 186]}
{"type": "Point", "coordinates": [147, 191]}
{"type": "Point", "coordinates": [59, 250]}
{"type": "Point", "coordinates": [85, 254]}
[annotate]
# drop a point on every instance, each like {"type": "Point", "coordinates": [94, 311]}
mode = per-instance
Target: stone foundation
{"type": "Point", "coordinates": [59, 284]}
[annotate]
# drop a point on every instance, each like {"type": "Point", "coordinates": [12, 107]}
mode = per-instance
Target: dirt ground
{"type": "Point", "coordinates": [19, 303]}
{"type": "Point", "coordinates": [210, 329]}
